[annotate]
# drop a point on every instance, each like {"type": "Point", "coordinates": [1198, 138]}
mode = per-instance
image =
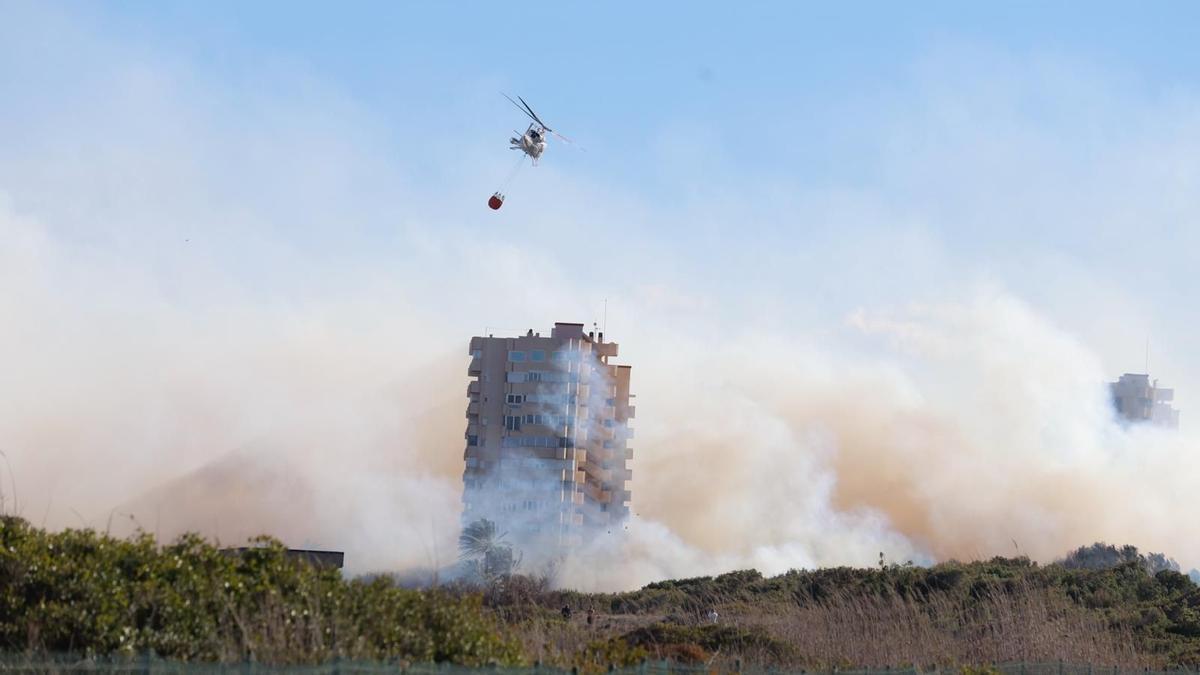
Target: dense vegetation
{"type": "Point", "coordinates": [79, 591]}
{"type": "Point", "coordinates": [1002, 610]}
{"type": "Point", "coordinates": [82, 592]}
{"type": "Point", "coordinates": [1100, 556]}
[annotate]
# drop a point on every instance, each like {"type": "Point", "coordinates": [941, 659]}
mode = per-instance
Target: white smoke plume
{"type": "Point", "coordinates": [242, 317]}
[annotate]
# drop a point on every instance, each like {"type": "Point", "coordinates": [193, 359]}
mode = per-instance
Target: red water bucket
{"type": "Point", "coordinates": [496, 201]}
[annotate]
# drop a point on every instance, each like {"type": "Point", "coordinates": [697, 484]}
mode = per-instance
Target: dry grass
{"type": "Point", "coordinates": [1029, 625]}
{"type": "Point", "coordinates": [1022, 624]}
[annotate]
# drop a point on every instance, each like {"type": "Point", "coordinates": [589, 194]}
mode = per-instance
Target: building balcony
{"type": "Point", "coordinates": [473, 408]}
{"type": "Point", "coordinates": [628, 453]}
{"type": "Point", "coordinates": [475, 369]}
{"type": "Point", "coordinates": [605, 348]}
{"type": "Point", "coordinates": [473, 388]}
{"type": "Point", "coordinates": [596, 493]}
{"type": "Point", "coordinates": [550, 453]}
{"type": "Point", "coordinates": [593, 469]}
{"type": "Point", "coordinates": [538, 387]}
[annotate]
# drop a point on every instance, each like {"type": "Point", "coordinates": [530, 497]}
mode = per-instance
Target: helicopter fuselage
{"type": "Point", "coordinates": [532, 142]}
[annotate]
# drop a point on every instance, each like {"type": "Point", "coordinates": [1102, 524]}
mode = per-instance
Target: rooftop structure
{"type": "Point", "coordinates": [1138, 399]}
{"type": "Point", "coordinates": [546, 441]}
{"type": "Point", "coordinates": [323, 559]}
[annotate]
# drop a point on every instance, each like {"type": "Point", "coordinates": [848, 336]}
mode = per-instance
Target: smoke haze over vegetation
{"type": "Point", "coordinates": [244, 307]}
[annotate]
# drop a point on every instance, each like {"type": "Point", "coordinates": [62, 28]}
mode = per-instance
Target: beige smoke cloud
{"type": "Point", "coordinates": [960, 429]}
{"type": "Point", "coordinates": [239, 315]}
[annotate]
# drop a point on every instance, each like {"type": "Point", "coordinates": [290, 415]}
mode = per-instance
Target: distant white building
{"type": "Point", "coordinates": [1138, 399]}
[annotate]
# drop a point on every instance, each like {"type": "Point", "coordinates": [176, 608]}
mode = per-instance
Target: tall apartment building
{"type": "Point", "coordinates": [1137, 399]}
{"type": "Point", "coordinates": [547, 433]}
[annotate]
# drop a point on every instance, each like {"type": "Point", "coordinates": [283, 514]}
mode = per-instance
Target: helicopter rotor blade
{"type": "Point", "coordinates": [525, 108]}
{"type": "Point", "coordinates": [522, 109]}
{"type": "Point", "coordinates": [534, 115]}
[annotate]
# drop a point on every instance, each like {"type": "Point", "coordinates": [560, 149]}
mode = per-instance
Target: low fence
{"type": "Point", "coordinates": [147, 665]}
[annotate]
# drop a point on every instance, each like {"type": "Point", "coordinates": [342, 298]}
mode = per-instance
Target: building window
{"type": "Point", "coordinates": [512, 422]}
{"type": "Point", "coordinates": [537, 355]}
{"type": "Point", "coordinates": [478, 353]}
{"type": "Point", "coordinates": [516, 356]}
{"type": "Point", "coordinates": [514, 399]}
{"type": "Point", "coordinates": [472, 440]}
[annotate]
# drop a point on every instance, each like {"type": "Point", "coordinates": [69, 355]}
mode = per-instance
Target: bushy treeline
{"type": "Point", "coordinates": [980, 612]}
{"type": "Point", "coordinates": [1100, 556]}
{"type": "Point", "coordinates": [82, 592]}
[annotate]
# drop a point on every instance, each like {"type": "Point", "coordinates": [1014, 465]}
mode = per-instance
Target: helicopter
{"type": "Point", "coordinates": [533, 141]}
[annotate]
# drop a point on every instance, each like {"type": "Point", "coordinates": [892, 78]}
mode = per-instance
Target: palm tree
{"type": "Point", "coordinates": [478, 539]}
{"type": "Point", "coordinates": [481, 547]}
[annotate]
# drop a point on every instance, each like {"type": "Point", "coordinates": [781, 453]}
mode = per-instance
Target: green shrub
{"type": "Point", "coordinates": [82, 592]}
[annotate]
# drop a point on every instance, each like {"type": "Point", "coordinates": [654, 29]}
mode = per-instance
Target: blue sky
{"type": "Point", "coordinates": [671, 102]}
{"type": "Point", "coordinates": [796, 75]}
{"type": "Point", "coordinates": [992, 203]}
